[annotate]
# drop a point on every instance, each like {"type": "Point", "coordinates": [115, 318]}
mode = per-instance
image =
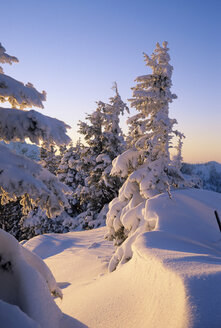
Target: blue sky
{"type": "Point", "coordinates": [76, 49]}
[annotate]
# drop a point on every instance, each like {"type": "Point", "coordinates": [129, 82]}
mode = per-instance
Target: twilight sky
{"type": "Point", "coordinates": [76, 49]}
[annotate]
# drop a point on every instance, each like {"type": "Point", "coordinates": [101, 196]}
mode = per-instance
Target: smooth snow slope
{"type": "Point", "coordinates": [173, 279]}
{"type": "Point", "coordinates": [187, 241]}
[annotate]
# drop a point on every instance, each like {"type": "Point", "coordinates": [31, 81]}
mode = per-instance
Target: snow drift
{"type": "Point", "coordinates": [173, 279]}
{"type": "Point", "coordinates": [25, 299]}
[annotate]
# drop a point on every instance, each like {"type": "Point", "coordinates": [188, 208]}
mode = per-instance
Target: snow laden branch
{"type": "Point", "coordinates": [18, 94]}
{"type": "Point", "coordinates": [15, 92]}
{"type": "Point", "coordinates": [5, 58]}
{"type": "Point", "coordinates": [16, 125]}
{"type": "Point", "coordinates": [21, 177]}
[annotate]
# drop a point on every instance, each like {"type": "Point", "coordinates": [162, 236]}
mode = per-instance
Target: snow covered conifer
{"type": "Point", "coordinates": [104, 142]}
{"type": "Point", "coordinates": [49, 159]}
{"type": "Point", "coordinates": [146, 165]}
{"type": "Point", "coordinates": [178, 158]}
{"type": "Point", "coordinates": [20, 176]}
{"type": "Point", "coordinates": [69, 174]}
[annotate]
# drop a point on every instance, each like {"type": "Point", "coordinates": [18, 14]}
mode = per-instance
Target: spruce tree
{"type": "Point", "coordinates": [105, 141]}
{"type": "Point", "coordinates": [49, 157]}
{"type": "Point", "coordinates": [69, 173]}
{"type": "Point", "coordinates": [147, 164]}
{"type": "Point", "coordinates": [24, 184]}
{"type": "Point", "coordinates": [20, 177]}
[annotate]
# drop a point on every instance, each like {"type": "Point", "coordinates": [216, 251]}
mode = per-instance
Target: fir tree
{"type": "Point", "coordinates": [49, 158]}
{"type": "Point", "coordinates": [104, 142]}
{"type": "Point", "coordinates": [69, 173]}
{"type": "Point", "coordinates": [21, 177]}
{"type": "Point", "coordinates": [146, 165]}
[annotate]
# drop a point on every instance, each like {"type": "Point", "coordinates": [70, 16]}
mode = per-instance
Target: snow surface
{"type": "Point", "coordinates": [173, 279]}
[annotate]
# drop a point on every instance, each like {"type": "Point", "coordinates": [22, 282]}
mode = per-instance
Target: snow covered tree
{"type": "Point", "coordinates": [104, 142]}
{"type": "Point", "coordinates": [146, 165]}
{"type": "Point", "coordinates": [20, 176]}
{"type": "Point", "coordinates": [69, 173]}
{"type": "Point", "coordinates": [49, 159]}
{"type": "Point", "coordinates": [178, 158]}
{"type": "Point", "coordinates": [10, 216]}
{"type": "Point", "coordinates": [23, 148]}
{"type": "Point", "coordinates": [37, 222]}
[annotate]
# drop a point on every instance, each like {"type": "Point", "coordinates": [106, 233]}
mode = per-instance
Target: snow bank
{"type": "Point", "coordinates": [24, 293]}
{"type": "Point", "coordinates": [187, 241]}
{"type": "Point", "coordinates": [173, 279]}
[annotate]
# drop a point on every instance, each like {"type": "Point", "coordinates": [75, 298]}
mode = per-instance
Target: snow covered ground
{"type": "Point", "coordinates": [172, 280]}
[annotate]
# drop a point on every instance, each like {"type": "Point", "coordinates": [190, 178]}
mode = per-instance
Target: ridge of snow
{"type": "Point", "coordinates": [172, 280]}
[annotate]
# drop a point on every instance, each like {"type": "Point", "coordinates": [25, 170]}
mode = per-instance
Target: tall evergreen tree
{"type": "Point", "coordinates": [69, 173]}
{"type": "Point", "coordinates": [105, 141]}
{"type": "Point", "coordinates": [146, 165]}
{"type": "Point", "coordinates": [22, 178]}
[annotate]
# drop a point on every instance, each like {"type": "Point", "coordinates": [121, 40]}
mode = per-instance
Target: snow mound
{"type": "Point", "coordinates": [187, 241]}
{"type": "Point", "coordinates": [173, 279]}
{"type": "Point", "coordinates": [24, 293]}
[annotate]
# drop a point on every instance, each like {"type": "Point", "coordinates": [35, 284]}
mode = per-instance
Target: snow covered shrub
{"type": "Point", "coordinates": [105, 141]}
{"type": "Point", "coordinates": [147, 164]}
{"type": "Point", "coordinates": [20, 176]}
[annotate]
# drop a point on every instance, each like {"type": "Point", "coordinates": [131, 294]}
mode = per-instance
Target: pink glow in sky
{"type": "Point", "coordinates": [75, 50]}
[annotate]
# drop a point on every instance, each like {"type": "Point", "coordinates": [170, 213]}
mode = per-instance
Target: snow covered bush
{"type": "Point", "coordinates": [147, 164]}
{"type": "Point", "coordinates": [105, 141]}
{"type": "Point", "coordinates": [19, 176]}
